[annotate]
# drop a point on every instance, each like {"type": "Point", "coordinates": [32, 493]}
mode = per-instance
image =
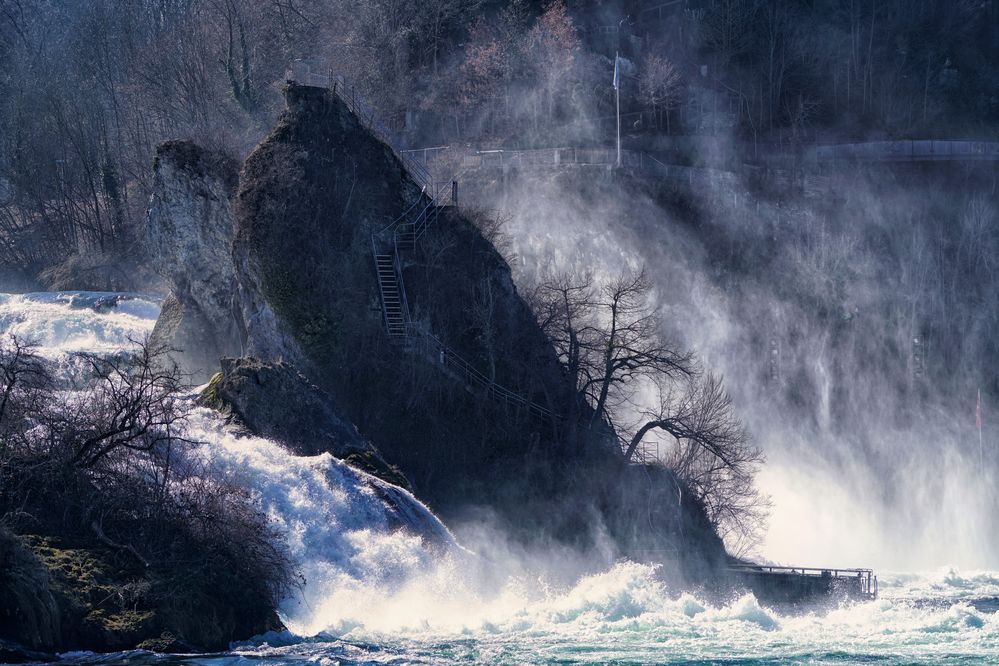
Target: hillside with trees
{"type": "Point", "coordinates": [89, 89]}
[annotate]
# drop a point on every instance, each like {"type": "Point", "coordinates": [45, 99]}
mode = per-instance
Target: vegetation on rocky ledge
{"type": "Point", "coordinates": [108, 538]}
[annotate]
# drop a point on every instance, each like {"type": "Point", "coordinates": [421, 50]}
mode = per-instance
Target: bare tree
{"type": "Point", "coordinates": [564, 306]}
{"type": "Point", "coordinates": [123, 403]}
{"type": "Point", "coordinates": [629, 344]}
{"type": "Point", "coordinates": [610, 343]}
{"type": "Point", "coordinates": [437, 18]}
{"type": "Point", "coordinates": [724, 27]}
{"type": "Point", "coordinates": [554, 43]}
{"type": "Point", "coordinates": [711, 452]}
{"type": "Point", "coordinates": [25, 384]}
{"type": "Point", "coordinates": [659, 87]}
{"type": "Point", "coordinates": [607, 338]}
{"type": "Point", "coordinates": [97, 468]}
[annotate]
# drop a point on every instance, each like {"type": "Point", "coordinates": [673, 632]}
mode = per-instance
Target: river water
{"type": "Point", "coordinates": [374, 594]}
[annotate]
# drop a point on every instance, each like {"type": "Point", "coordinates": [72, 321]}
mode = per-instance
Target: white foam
{"type": "Point", "coordinates": [64, 322]}
{"type": "Point", "coordinates": [368, 583]}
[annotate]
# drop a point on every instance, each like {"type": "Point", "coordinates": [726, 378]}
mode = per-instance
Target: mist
{"type": "Point", "coordinates": [372, 197]}
{"type": "Point", "coordinates": [838, 352]}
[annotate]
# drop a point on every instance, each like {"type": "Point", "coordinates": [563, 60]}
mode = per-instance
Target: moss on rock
{"type": "Point", "coordinates": [375, 465]}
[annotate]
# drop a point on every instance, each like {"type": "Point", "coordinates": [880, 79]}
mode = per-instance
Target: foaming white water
{"type": "Point", "coordinates": [346, 540]}
{"type": "Point", "coordinates": [374, 592]}
{"type": "Point", "coordinates": [625, 614]}
{"type": "Point", "coordinates": [350, 535]}
{"type": "Point", "coordinates": [73, 321]}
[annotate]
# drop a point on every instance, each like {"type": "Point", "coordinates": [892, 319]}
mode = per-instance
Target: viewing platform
{"type": "Point", "coordinates": [794, 585]}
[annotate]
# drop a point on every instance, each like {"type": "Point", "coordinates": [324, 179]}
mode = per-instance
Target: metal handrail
{"type": "Point", "coordinates": [448, 357]}
{"type": "Point", "coordinates": [422, 221]}
{"type": "Point", "coordinates": [909, 150]}
{"type": "Point", "coordinates": [868, 581]}
{"type": "Point", "coordinates": [805, 571]}
{"type": "Point", "coordinates": [403, 215]}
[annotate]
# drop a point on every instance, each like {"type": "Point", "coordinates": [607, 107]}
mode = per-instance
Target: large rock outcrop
{"type": "Point", "coordinates": [190, 228]}
{"type": "Point", "coordinates": [311, 202]}
{"type": "Point", "coordinates": [312, 197]}
{"type": "Point", "coordinates": [213, 309]}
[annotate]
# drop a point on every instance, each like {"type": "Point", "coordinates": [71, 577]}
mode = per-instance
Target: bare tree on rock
{"type": "Point", "coordinates": [609, 339]}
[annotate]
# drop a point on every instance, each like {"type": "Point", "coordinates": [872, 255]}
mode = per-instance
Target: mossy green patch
{"type": "Point", "coordinates": [108, 600]}
{"type": "Point", "coordinates": [86, 571]}
{"type": "Point", "coordinates": [165, 642]}
{"type": "Point", "coordinates": [210, 396]}
{"type": "Point", "coordinates": [123, 622]}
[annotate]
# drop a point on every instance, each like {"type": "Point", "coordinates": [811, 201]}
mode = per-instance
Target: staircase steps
{"type": "Point", "coordinates": [386, 245]}
{"type": "Point", "coordinates": [392, 301]}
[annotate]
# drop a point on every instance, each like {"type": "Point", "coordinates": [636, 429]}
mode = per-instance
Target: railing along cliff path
{"type": "Point", "coordinates": [404, 233]}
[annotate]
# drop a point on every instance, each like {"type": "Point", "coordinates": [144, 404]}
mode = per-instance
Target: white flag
{"type": "Point", "coordinates": [617, 71]}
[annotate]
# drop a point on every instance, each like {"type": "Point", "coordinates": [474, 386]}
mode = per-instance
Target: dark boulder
{"type": "Point", "coordinates": [28, 609]}
{"type": "Point", "coordinates": [274, 400]}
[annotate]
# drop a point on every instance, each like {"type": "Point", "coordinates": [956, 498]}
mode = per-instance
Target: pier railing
{"type": "Point", "coordinates": [864, 579]}
{"type": "Point", "coordinates": [909, 151]}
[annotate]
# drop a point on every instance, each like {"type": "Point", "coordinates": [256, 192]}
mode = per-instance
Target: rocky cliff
{"type": "Point", "coordinates": [190, 226]}
{"type": "Point", "coordinates": [311, 197]}
{"type": "Point", "coordinates": [304, 290]}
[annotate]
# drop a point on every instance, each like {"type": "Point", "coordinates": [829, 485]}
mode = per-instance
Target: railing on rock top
{"type": "Point", "coordinates": [309, 73]}
{"type": "Point", "coordinates": [713, 179]}
{"type": "Point", "coordinates": [866, 581]}
{"type": "Point", "coordinates": [908, 151]}
{"type": "Point", "coordinates": [403, 233]}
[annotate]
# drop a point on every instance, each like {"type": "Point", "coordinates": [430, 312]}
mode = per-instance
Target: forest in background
{"type": "Point", "coordinates": [87, 90]}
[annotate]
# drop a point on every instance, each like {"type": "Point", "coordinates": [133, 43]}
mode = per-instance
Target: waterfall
{"type": "Point", "coordinates": [345, 530]}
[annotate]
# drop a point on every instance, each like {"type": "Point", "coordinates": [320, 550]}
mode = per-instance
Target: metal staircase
{"type": "Point", "coordinates": [404, 233]}
{"type": "Point", "coordinates": [407, 234]}
{"type": "Point", "coordinates": [395, 309]}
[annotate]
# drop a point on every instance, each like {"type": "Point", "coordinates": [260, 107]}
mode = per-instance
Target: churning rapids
{"type": "Point", "coordinates": [372, 593]}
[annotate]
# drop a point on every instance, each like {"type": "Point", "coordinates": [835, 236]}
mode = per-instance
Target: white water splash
{"type": "Point", "coordinates": [346, 540]}
{"type": "Point", "coordinates": [374, 593]}
{"type": "Point", "coordinates": [73, 321]}
{"type": "Point", "coordinates": [625, 615]}
{"type": "Point", "coordinates": [349, 534]}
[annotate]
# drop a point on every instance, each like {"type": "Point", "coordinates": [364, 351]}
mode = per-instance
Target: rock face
{"type": "Point", "coordinates": [311, 201]}
{"type": "Point", "coordinates": [274, 400]}
{"type": "Point", "coordinates": [312, 198]}
{"type": "Point", "coordinates": [190, 228]}
{"type": "Point", "coordinates": [28, 609]}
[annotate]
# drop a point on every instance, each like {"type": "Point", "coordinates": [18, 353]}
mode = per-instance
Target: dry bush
{"type": "Point", "coordinates": [105, 465]}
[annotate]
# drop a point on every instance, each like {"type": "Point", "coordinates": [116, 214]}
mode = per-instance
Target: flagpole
{"type": "Point", "coordinates": [978, 422]}
{"type": "Point", "coordinates": [617, 95]}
